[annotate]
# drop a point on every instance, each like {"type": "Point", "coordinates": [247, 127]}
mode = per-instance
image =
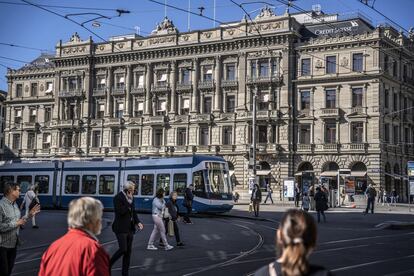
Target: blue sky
{"type": "Point", "coordinates": [32, 27]}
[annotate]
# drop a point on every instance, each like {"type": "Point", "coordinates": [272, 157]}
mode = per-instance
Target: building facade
{"type": "Point", "coordinates": [329, 97]}
{"type": "Point", "coordinates": [2, 122]}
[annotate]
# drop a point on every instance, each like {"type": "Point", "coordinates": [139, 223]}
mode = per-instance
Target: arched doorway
{"type": "Point", "coordinates": [359, 175]}
{"type": "Point", "coordinates": [263, 174]}
{"type": "Point", "coordinates": [388, 178]}
{"type": "Point", "coordinates": [305, 176]}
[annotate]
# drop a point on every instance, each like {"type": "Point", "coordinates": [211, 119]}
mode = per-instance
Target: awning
{"type": "Point", "coordinates": [300, 173]}
{"type": "Point", "coordinates": [329, 173]}
{"type": "Point", "coordinates": [359, 173]}
{"type": "Point", "coordinates": [263, 172]}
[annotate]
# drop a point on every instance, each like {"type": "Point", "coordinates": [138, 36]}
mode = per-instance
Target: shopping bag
{"type": "Point", "coordinates": [171, 228]}
{"type": "Point", "coordinates": [250, 207]}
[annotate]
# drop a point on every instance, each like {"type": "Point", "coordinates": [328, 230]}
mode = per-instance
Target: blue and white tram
{"type": "Point", "coordinates": [61, 181]}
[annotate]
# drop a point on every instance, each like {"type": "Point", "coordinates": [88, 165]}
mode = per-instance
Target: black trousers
{"type": "Point", "coordinates": [7, 258]}
{"type": "Point", "coordinates": [320, 212]}
{"type": "Point", "coordinates": [256, 207]}
{"type": "Point", "coordinates": [370, 203]}
{"type": "Point", "coordinates": [297, 198]}
{"type": "Point", "coordinates": [124, 251]}
{"type": "Point", "coordinates": [176, 230]}
{"type": "Point", "coordinates": [187, 215]}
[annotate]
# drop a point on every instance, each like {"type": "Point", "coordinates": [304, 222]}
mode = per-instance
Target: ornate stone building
{"type": "Point", "coordinates": [327, 97]}
{"type": "Point", "coordinates": [2, 122]}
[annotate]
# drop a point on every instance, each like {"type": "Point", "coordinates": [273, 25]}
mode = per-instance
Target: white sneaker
{"type": "Point", "coordinates": [151, 247]}
{"type": "Point", "coordinates": [169, 247]}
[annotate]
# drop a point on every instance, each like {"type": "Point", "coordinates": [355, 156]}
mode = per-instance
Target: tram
{"type": "Point", "coordinates": [61, 181]}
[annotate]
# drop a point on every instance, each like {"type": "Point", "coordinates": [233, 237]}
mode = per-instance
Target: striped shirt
{"type": "Point", "coordinates": [9, 215]}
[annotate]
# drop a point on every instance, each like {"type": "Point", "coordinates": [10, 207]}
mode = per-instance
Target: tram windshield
{"type": "Point", "coordinates": [217, 179]}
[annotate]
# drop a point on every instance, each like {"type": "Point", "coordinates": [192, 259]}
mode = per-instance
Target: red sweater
{"type": "Point", "coordinates": [76, 253]}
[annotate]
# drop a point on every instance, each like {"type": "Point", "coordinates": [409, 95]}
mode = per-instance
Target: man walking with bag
{"type": "Point", "coordinates": [370, 193]}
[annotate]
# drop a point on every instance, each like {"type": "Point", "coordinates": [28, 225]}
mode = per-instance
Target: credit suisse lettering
{"type": "Point", "coordinates": [352, 27]}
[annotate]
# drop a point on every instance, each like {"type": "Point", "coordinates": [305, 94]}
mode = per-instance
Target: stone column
{"type": "Point", "coordinates": [217, 79]}
{"type": "Point", "coordinates": [194, 78]}
{"type": "Point", "coordinates": [56, 89]}
{"type": "Point", "coordinates": [173, 83]}
{"type": "Point", "coordinates": [127, 107]}
{"type": "Point", "coordinates": [241, 78]}
{"type": "Point", "coordinates": [108, 107]}
{"type": "Point", "coordinates": [148, 81]}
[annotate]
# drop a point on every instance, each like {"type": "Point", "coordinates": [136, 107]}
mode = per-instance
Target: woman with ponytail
{"type": "Point", "coordinates": [295, 241]}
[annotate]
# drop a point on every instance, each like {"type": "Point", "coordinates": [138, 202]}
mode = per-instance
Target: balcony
{"type": "Point", "coordinates": [70, 93]}
{"type": "Point", "coordinates": [98, 92]}
{"type": "Point", "coordinates": [118, 90]}
{"type": "Point", "coordinates": [160, 87]}
{"type": "Point", "coordinates": [30, 125]}
{"type": "Point", "coordinates": [181, 149]}
{"type": "Point", "coordinates": [114, 122]}
{"type": "Point", "coordinates": [358, 146]}
{"type": "Point", "coordinates": [304, 113]}
{"type": "Point", "coordinates": [262, 115]}
{"type": "Point", "coordinates": [227, 148]}
{"type": "Point", "coordinates": [329, 112]}
{"type": "Point", "coordinates": [330, 147]}
{"type": "Point", "coordinates": [184, 87]}
{"type": "Point", "coordinates": [305, 148]}
{"type": "Point", "coordinates": [357, 110]}
{"type": "Point", "coordinates": [139, 90]}
{"type": "Point", "coordinates": [201, 118]}
{"type": "Point", "coordinates": [96, 122]}
{"type": "Point", "coordinates": [229, 83]}
{"type": "Point", "coordinates": [75, 123]}
{"type": "Point", "coordinates": [181, 118]}
{"type": "Point", "coordinates": [156, 120]}
{"type": "Point", "coordinates": [206, 84]}
{"type": "Point", "coordinates": [263, 80]}
{"type": "Point", "coordinates": [203, 148]}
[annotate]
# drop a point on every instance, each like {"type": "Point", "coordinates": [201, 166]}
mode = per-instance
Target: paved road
{"type": "Point", "coordinates": [348, 244]}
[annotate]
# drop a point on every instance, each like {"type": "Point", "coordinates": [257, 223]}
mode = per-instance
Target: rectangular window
{"type": "Point", "coordinates": [262, 134]}
{"type": "Point", "coordinates": [395, 101]}
{"type": "Point", "coordinates": [357, 132]}
{"type": "Point", "coordinates": [161, 107]}
{"type": "Point", "coordinates": [119, 110]}
{"type": "Point", "coordinates": [230, 104]}
{"type": "Point", "coordinates": [163, 181]}
{"type": "Point", "coordinates": [330, 64]}
{"type": "Point", "coordinates": [395, 68]}
{"type": "Point", "coordinates": [386, 98]}
{"type": "Point", "coordinates": [330, 133]}
{"type": "Point", "coordinates": [330, 99]}
{"type": "Point", "coordinates": [31, 140]}
{"type": "Point", "coordinates": [264, 69]}
{"type": "Point", "coordinates": [139, 80]}
{"type": "Point", "coordinates": [199, 186]}
{"type": "Point", "coordinates": [185, 106]}
{"type": "Point", "coordinates": [100, 82]}
{"type": "Point", "coordinates": [396, 135]}
{"type": "Point", "coordinates": [162, 78]}
{"type": "Point", "coordinates": [106, 184]}
{"type": "Point", "coordinates": [180, 183]}
{"type": "Point", "coordinates": [357, 62]}
{"type": "Point", "coordinates": [305, 100]}
{"type": "Point", "coordinates": [33, 90]}
{"type": "Point", "coordinates": [204, 136]}
{"type": "Point", "coordinates": [48, 114]}
{"type": "Point", "coordinates": [185, 76]}
{"type": "Point", "coordinates": [19, 90]}
{"type": "Point", "coordinates": [16, 141]}
{"type": "Point", "coordinates": [135, 138]}
{"type": "Point", "coordinates": [208, 73]}
{"type": "Point", "coordinates": [305, 67]}
{"type": "Point", "coordinates": [17, 116]}
{"type": "Point", "coordinates": [73, 83]}
{"type": "Point", "coordinates": [147, 184]}
{"type": "Point", "coordinates": [24, 181]}
{"type": "Point", "coordinates": [357, 96]}
{"type": "Point", "coordinates": [386, 63]}
{"type": "Point", "coordinates": [181, 136]}
{"type": "Point", "coordinates": [253, 70]}
{"type": "Point", "coordinates": [207, 105]}
{"type": "Point", "coordinates": [49, 87]}
{"type": "Point", "coordinates": [139, 108]}
{"type": "Point", "coordinates": [32, 115]}
{"type": "Point", "coordinates": [116, 137]}
{"type": "Point", "coordinates": [227, 135]}
{"type": "Point", "coordinates": [230, 72]}
{"type": "Point", "coordinates": [274, 68]}
{"type": "Point", "coordinates": [43, 183]}
{"type": "Point", "coordinates": [96, 138]}
{"type": "Point", "coordinates": [72, 184]}
{"type": "Point", "coordinates": [305, 134]}
{"type": "Point", "coordinates": [134, 178]}
{"type": "Point", "coordinates": [47, 139]}
{"type": "Point", "coordinates": [263, 101]}
{"type": "Point", "coordinates": [100, 112]}
{"type": "Point", "coordinates": [119, 81]}
{"type": "Point", "coordinates": [157, 137]}
{"type": "Point", "coordinates": [89, 184]}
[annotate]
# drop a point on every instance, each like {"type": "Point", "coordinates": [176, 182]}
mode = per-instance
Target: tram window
{"type": "Point", "coordinates": [163, 181]}
{"type": "Point", "coordinates": [106, 184]}
{"type": "Point", "coordinates": [180, 183]}
{"type": "Point", "coordinates": [72, 184]}
{"type": "Point", "coordinates": [134, 178]}
{"type": "Point", "coordinates": [43, 183]}
{"type": "Point", "coordinates": [147, 184]}
{"type": "Point", "coordinates": [24, 182]}
{"type": "Point", "coordinates": [89, 184]}
{"type": "Point", "coordinates": [5, 179]}
{"type": "Point", "coordinates": [198, 181]}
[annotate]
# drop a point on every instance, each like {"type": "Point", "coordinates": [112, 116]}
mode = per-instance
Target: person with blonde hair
{"type": "Point", "coordinates": [78, 252]}
{"type": "Point", "coordinates": [29, 198]}
{"type": "Point", "coordinates": [295, 241]}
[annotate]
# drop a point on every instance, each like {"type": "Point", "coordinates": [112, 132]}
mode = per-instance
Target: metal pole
{"type": "Point", "coordinates": [254, 134]}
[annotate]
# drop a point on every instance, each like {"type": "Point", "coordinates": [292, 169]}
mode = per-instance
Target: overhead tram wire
{"type": "Point", "coordinates": [24, 47]}
{"type": "Point", "coordinates": [58, 6]}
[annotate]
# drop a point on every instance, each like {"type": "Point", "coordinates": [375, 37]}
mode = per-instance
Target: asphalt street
{"type": "Point", "coordinates": [348, 244]}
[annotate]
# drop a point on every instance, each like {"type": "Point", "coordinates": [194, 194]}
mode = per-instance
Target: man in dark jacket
{"type": "Point", "coordinates": [371, 193]}
{"type": "Point", "coordinates": [321, 202]}
{"type": "Point", "coordinates": [125, 224]}
{"type": "Point", "coordinates": [256, 198]}
{"type": "Point", "coordinates": [173, 210]}
{"type": "Point", "coordinates": [188, 203]}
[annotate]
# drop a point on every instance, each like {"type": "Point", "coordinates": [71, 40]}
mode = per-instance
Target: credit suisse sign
{"type": "Point", "coordinates": [351, 27]}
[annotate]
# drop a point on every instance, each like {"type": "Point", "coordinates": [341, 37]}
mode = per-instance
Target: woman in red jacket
{"type": "Point", "coordinates": [78, 252]}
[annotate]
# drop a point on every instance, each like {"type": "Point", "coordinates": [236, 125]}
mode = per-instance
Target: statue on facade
{"type": "Point", "coordinates": [75, 38]}
{"type": "Point", "coordinates": [265, 13]}
{"type": "Point", "coordinates": [165, 27]}
{"type": "Point", "coordinates": [411, 34]}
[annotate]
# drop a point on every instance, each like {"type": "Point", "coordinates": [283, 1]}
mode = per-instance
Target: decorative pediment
{"type": "Point", "coordinates": [165, 27]}
{"type": "Point", "coordinates": [265, 13]}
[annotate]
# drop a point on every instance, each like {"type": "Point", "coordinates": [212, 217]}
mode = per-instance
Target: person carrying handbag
{"type": "Point", "coordinates": [171, 219]}
{"type": "Point", "coordinates": [158, 210]}
{"type": "Point", "coordinates": [30, 200]}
